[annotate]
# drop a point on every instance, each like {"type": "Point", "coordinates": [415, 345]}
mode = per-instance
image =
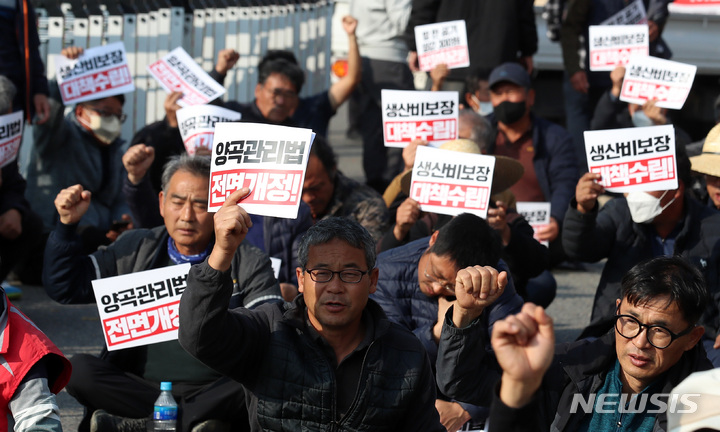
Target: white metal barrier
{"type": "Point", "coordinates": [149, 29]}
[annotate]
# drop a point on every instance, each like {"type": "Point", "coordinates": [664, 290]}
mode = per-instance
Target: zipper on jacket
{"type": "Point", "coordinates": [362, 378]}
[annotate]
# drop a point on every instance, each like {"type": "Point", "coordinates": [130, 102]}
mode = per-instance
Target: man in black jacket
{"type": "Point", "coordinates": [620, 381]}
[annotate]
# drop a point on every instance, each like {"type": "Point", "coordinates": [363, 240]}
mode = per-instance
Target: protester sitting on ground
{"type": "Point", "coordinates": [85, 148]}
{"type": "Point", "coordinates": [329, 359]}
{"type": "Point", "coordinates": [698, 408]}
{"type": "Point", "coordinates": [588, 384]}
{"type": "Point", "coordinates": [34, 372]}
{"type": "Point", "coordinates": [118, 389]}
{"type": "Point", "coordinates": [416, 286]}
{"type": "Point", "coordinates": [639, 226]}
{"type": "Point", "coordinates": [278, 237]}
{"type": "Point", "coordinates": [708, 164]}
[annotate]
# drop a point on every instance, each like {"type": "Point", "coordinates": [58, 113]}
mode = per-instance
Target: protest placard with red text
{"type": "Point", "coordinates": [409, 115]}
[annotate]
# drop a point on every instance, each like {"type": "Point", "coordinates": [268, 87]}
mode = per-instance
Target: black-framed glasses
{"type": "Point", "coordinates": [347, 276]}
{"type": "Point", "coordinates": [105, 113]}
{"type": "Point", "coordinates": [286, 94]}
{"type": "Point", "coordinates": [659, 336]}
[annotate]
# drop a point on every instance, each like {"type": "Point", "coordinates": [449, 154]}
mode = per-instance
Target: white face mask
{"type": "Point", "coordinates": [484, 108]}
{"type": "Point", "coordinates": [645, 207]}
{"type": "Point", "coordinates": [105, 129]}
{"type": "Point", "coordinates": [640, 119]}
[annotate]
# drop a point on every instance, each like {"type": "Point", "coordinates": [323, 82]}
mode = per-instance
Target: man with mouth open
{"type": "Point", "coordinates": [620, 381]}
{"type": "Point", "coordinates": [330, 359]}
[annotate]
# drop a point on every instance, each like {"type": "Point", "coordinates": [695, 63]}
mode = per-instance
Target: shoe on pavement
{"type": "Point", "coordinates": [102, 421]}
{"type": "Point", "coordinates": [212, 426]}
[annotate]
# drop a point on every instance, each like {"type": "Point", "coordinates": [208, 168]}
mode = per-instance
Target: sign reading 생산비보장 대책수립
{"type": "Point", "coordinates": [450, 182]}
{"type": "Point", "coordinates": [442, 43]}
{"type": "Point", "coordinates": [634, 13]}
{"type": "Point", "coordinates": [270, 160]}
{"type": "Point", "coordinates": [612, 46]}
{"type": "Point", "coordinates": [177, 71]}
{"type": "Point", "coordinates": [97, 73]}
{"type": "Point", "coordinates": [706, 7]}
{"type": "Point", "coordinates": [651, 78]}
{"type": "Point", "coordinates": [197, 125]}
{"type": "Point", "coordinates": [409, 115]}
{"type": "Point", "coordinates": [140, 308]}
{"type": "Point", "coordinates": [11, 129]}
{"type": "Point", "coordinates": [633, 159]}
{"type": "Point", "coordinates": [537, 214]}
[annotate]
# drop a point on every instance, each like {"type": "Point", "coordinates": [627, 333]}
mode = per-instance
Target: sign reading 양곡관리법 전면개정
{"type": "Point", "coordinates": [11, 129]}
{"type": "Point", "coordinates": [97, 73]}
{"type": "Point", "coordinates": [197, 125]}
{"type": "Point", "coordinates": [442, 43]}
{"type": "Point", "coordinates": [451, 182]}
{"type": "Point", "coordinates": [140, 308]}
{"type": "Point", "coordinates": [270, 160]}
{"type": "Point", "coordinates": [177, 71]}
{"type": "Point", "coordinates": [409, 115]}
{"type": "Point", "coordinates": [633, 159]}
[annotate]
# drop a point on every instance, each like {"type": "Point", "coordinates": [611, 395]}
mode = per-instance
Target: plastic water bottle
{"type": "Point", "coordinates": [165, 411]}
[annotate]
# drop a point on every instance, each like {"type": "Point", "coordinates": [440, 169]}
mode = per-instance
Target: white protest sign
{"type": "Point", "coordinates": [537, 214]}
{"type": "Point", "coordinates": [269, 159]}
{"type": "Point", "coordinates": [11, 128]}
{"type": "Point", "coordinates": [450, 182]}
{"type": "Point", "coordinates": [427, 115]}
{"type": "Point", "coordinates": [612, 46]}
{"type": "Point", "coordinates": [666, 81]}
{"type": "Point", "coordinates": [98, 73]}
{"type": "Point", "coordinates": [633, 159]}
{"type": "Point", "coordinates": [197, 124]}
{"type": "Point", "coordinates": [140, 308]}
{"type": "Point", "coordinates": [276, 263]}
{"type": "Point", "coordinates": [634, 13]}
{"type": "Point", "coordinates": [700, 7]}
{"type": "Point", "coordinates": [444, 42]}
{"type": "Point", "coordinates": [177, 71]}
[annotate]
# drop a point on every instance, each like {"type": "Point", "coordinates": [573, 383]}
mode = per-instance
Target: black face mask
{"type": "Point", "coordinates": [509, 112]}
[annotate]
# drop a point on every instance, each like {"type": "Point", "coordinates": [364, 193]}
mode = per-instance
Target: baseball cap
{"type": "Point", "coordinates": [510, 72]}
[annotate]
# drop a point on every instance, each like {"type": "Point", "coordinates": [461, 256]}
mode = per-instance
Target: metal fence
{"type": "Point", "coordinates": [150, 29]}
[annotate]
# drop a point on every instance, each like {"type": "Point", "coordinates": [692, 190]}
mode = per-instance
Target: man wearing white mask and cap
{"type": "Point", "coordinates": [639, 226]}
{"type": "Point", "coordinates": [84, 148]}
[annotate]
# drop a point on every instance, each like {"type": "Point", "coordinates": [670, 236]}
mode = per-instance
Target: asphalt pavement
{"type": "Point", "coordinates": [76, 328]}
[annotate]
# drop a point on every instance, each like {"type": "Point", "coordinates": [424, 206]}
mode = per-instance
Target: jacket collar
{"type": "Point", "coordinates": [295, 313]}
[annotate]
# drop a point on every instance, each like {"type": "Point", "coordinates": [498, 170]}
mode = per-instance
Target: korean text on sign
{"type": "Point", "coordinates": [197, 125]}
{"type": "Point", "coordinates": [11, 127]}
{"type": "Point", "coordinates": [633, 159]}
{"type": "Point", "coordinates": [140, 308]}
{"type": "Point", "coordinates": [444, 42]}
{"type": "Point", "coordinates": [666, 81]}
{"type": "Point", "coordinates": [449, 182]}
{"type": "Point", "coordinates": [537, 214]}
{"type": "Point", "coordinates": [634, 13]}
{"type": "Point", "coordinates": [98, 73]}
{"type": "Point", "coordinates": [612, 46]}
{"type": "Point", "coordinates": [425, 115]}
{"type": "Point", "coordinates": [177, 71]}
{"type": "Point", "coordinates": [268, 159]}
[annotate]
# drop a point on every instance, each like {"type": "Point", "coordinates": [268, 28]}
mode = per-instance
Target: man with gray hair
{"type": "Point", "coordinates": [121, 387]}
{"type": "Point", "coordinates": [329, 359]}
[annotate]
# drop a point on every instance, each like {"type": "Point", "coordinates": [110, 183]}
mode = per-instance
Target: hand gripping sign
{"type": "Point", "coordinates": [98, 73]}
{"type": "Point", "coordinates": [444, 42]}
{"type": "Point", "coordinates": [537, 214]}
{"type": "Point", "coordinates": [197, 125]}
{"type": "Point", "coordinates": [450, 182]}
{"type": "Point", "coordinates": [615, 45]}
{"type": "Point", "coordinates": [633, 159]}
{"type": "Point", "coordinates": [427, 115]}
{"type": "Point", "coordinates": [270, 160]}
{"type": "Point", "coordinates": [11, 127]}
{"type": "Point", "coordinates": [634, 13]}
{"type": "Point", "coordinates": [177, 71]}
{"type": "Point", "coordinates": [666, 81]}
{"type": "Point", "coordinates": [140, 308]}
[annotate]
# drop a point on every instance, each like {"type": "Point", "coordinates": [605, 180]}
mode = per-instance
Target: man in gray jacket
{"type": "Point", "coordinates": [124, 383]}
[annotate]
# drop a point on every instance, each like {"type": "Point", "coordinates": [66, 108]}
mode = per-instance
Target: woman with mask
{"type": "Point", "coordinates": [84, 148]}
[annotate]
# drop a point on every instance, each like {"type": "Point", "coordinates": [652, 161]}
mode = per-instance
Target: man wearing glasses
{"type": "Point", "coordinates": [417, 286]}
{"type": "Point", "coordinates": [85, 148]}
{"type": "Point", "coordinates": [328, 360]}
{"type": "Point", "coordinates": [620, 381]}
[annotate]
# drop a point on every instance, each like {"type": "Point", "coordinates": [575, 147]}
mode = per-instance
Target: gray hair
{"type": "Point", "coordinates": [347, 230]}
{"type": "Point", "coordinates": [7, 94]}
{"type": "Point", "coordinates": [196, 165]}
{"type": "Point", "coordinates": [481, 131]}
